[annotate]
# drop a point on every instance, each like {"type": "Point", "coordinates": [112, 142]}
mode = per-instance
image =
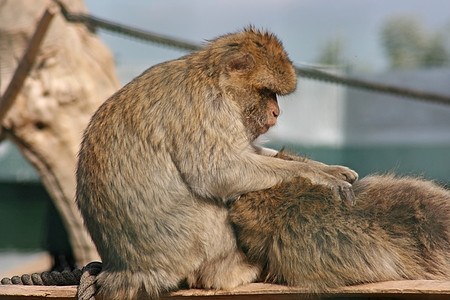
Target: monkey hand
{"type": "Point", "coordinates": [339, 172]}
{"type": "Point", "coordinates": [342, 173]}
{"type": "Point", "coordinates": [341, 187]}
{"type": "Point", "coordinates": [344, 191]}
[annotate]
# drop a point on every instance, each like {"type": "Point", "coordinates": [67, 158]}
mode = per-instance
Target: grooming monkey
{"type": "Point", "coordinates": [399, 229]}
{"type": "Point", "coordinates": [163, 156]}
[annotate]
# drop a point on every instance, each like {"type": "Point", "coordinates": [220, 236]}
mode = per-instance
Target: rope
{"type": "Point", "coordinates": [93, 22]}
{"type": "Point", "coordinates": [85, 279]}
{"type": "Point", "coordinates": [87, 288]}
{"type": "Point", "coordinates": [46, 278]}
{"type": "Point", "coordinates": [371, 86]}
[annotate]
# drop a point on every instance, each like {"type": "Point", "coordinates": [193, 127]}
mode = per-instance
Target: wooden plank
{"type": "Point", "coordinates": [410, 289]}
{"type": "Point", "coordinates": [19, 292]}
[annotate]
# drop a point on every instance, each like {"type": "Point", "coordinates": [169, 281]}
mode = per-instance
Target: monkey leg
{"type": "Point", "coordinates": [399, 229]}
{"type": "Point", "coordinates": [226, 266]}
{"type": "Point", "coordinates": [117, 285]}
{"type": "Point", "coordinates": [225, 272]}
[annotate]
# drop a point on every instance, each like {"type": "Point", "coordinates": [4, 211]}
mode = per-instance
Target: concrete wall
{"type": "Point", "coordinates": [378, 119]}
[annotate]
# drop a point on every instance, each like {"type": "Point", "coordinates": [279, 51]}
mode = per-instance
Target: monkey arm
{"type": "Point", "coordinates": [337, 178]}
{"type": "Point", "coordinates": [252, 171]}
{"type": "Point", "coordinates": [341, 172]}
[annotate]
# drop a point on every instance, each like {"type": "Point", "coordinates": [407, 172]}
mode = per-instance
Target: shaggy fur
{"type": "Point", "coordinates": [300, 236]}
{"type": "Point", "coordinates": [161, 158]}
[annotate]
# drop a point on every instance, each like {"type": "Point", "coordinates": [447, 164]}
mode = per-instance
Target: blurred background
{"type": "Point", "coordinates": [399, 42]}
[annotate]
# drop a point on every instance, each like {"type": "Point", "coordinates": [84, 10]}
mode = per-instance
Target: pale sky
{"type": "Point", "coordinates": [304, 26]}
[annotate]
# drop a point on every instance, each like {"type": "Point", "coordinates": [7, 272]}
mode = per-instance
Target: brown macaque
{"type": "Point", "coordinates": [162, 157]}
{"type": "Point", "coordinates": [299, 236]}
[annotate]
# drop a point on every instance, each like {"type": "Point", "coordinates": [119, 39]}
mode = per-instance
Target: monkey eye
{"type": "Point", "coordinates": [258, 44]}
{"type": "Point", "coordinates": [268, 94]}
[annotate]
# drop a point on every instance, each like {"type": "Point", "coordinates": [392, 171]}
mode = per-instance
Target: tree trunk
{"type": "Point", "coordinates": [73, 74]}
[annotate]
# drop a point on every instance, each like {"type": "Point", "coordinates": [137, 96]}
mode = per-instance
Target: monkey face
{"type": "Point", "coordinates": [255, 68]}
{"type": "Point", "coordinates": [262, 114]}
{"type": "Point", "coordinates": [257, 59]}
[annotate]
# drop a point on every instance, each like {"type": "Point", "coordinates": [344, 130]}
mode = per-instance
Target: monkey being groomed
{"type": "Point", "coordinates": [162, 157]}
{"type": "Point", "coordinates": [398, 229]}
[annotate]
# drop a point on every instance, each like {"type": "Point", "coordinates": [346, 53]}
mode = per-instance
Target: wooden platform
{"type": "Point", "coordinates": [411, 289]}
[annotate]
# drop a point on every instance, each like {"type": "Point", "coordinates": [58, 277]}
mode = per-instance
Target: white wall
{"type": "Point", "coordinates": [313, 115]}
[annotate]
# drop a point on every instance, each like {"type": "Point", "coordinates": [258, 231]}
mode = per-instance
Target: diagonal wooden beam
{"type": "Point", "coordinates": [26, 62]}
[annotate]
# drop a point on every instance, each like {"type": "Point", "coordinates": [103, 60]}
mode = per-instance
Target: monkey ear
{"type": "Point", "coordinates": [241, 63]}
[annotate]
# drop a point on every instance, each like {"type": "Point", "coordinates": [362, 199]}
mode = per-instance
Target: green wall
{"type": "Point", "coordinates": [23, 211]}
{"type": "Point", "coordinates": [431, 162]}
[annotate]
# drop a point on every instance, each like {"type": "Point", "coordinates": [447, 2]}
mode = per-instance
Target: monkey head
{"type": "Point", "coordinates": [254, 68]}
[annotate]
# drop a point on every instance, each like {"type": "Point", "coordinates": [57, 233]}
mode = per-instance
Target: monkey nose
{"type": "Point", "coordinates": [275, 110]}
{"type": "Point", "coordinates": [273, 119]}
{"type": "Point", "coordinates": [275, 113]}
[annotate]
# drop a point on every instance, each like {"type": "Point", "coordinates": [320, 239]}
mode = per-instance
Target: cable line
{"type": "Point", "coordinates": [313, 73]}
